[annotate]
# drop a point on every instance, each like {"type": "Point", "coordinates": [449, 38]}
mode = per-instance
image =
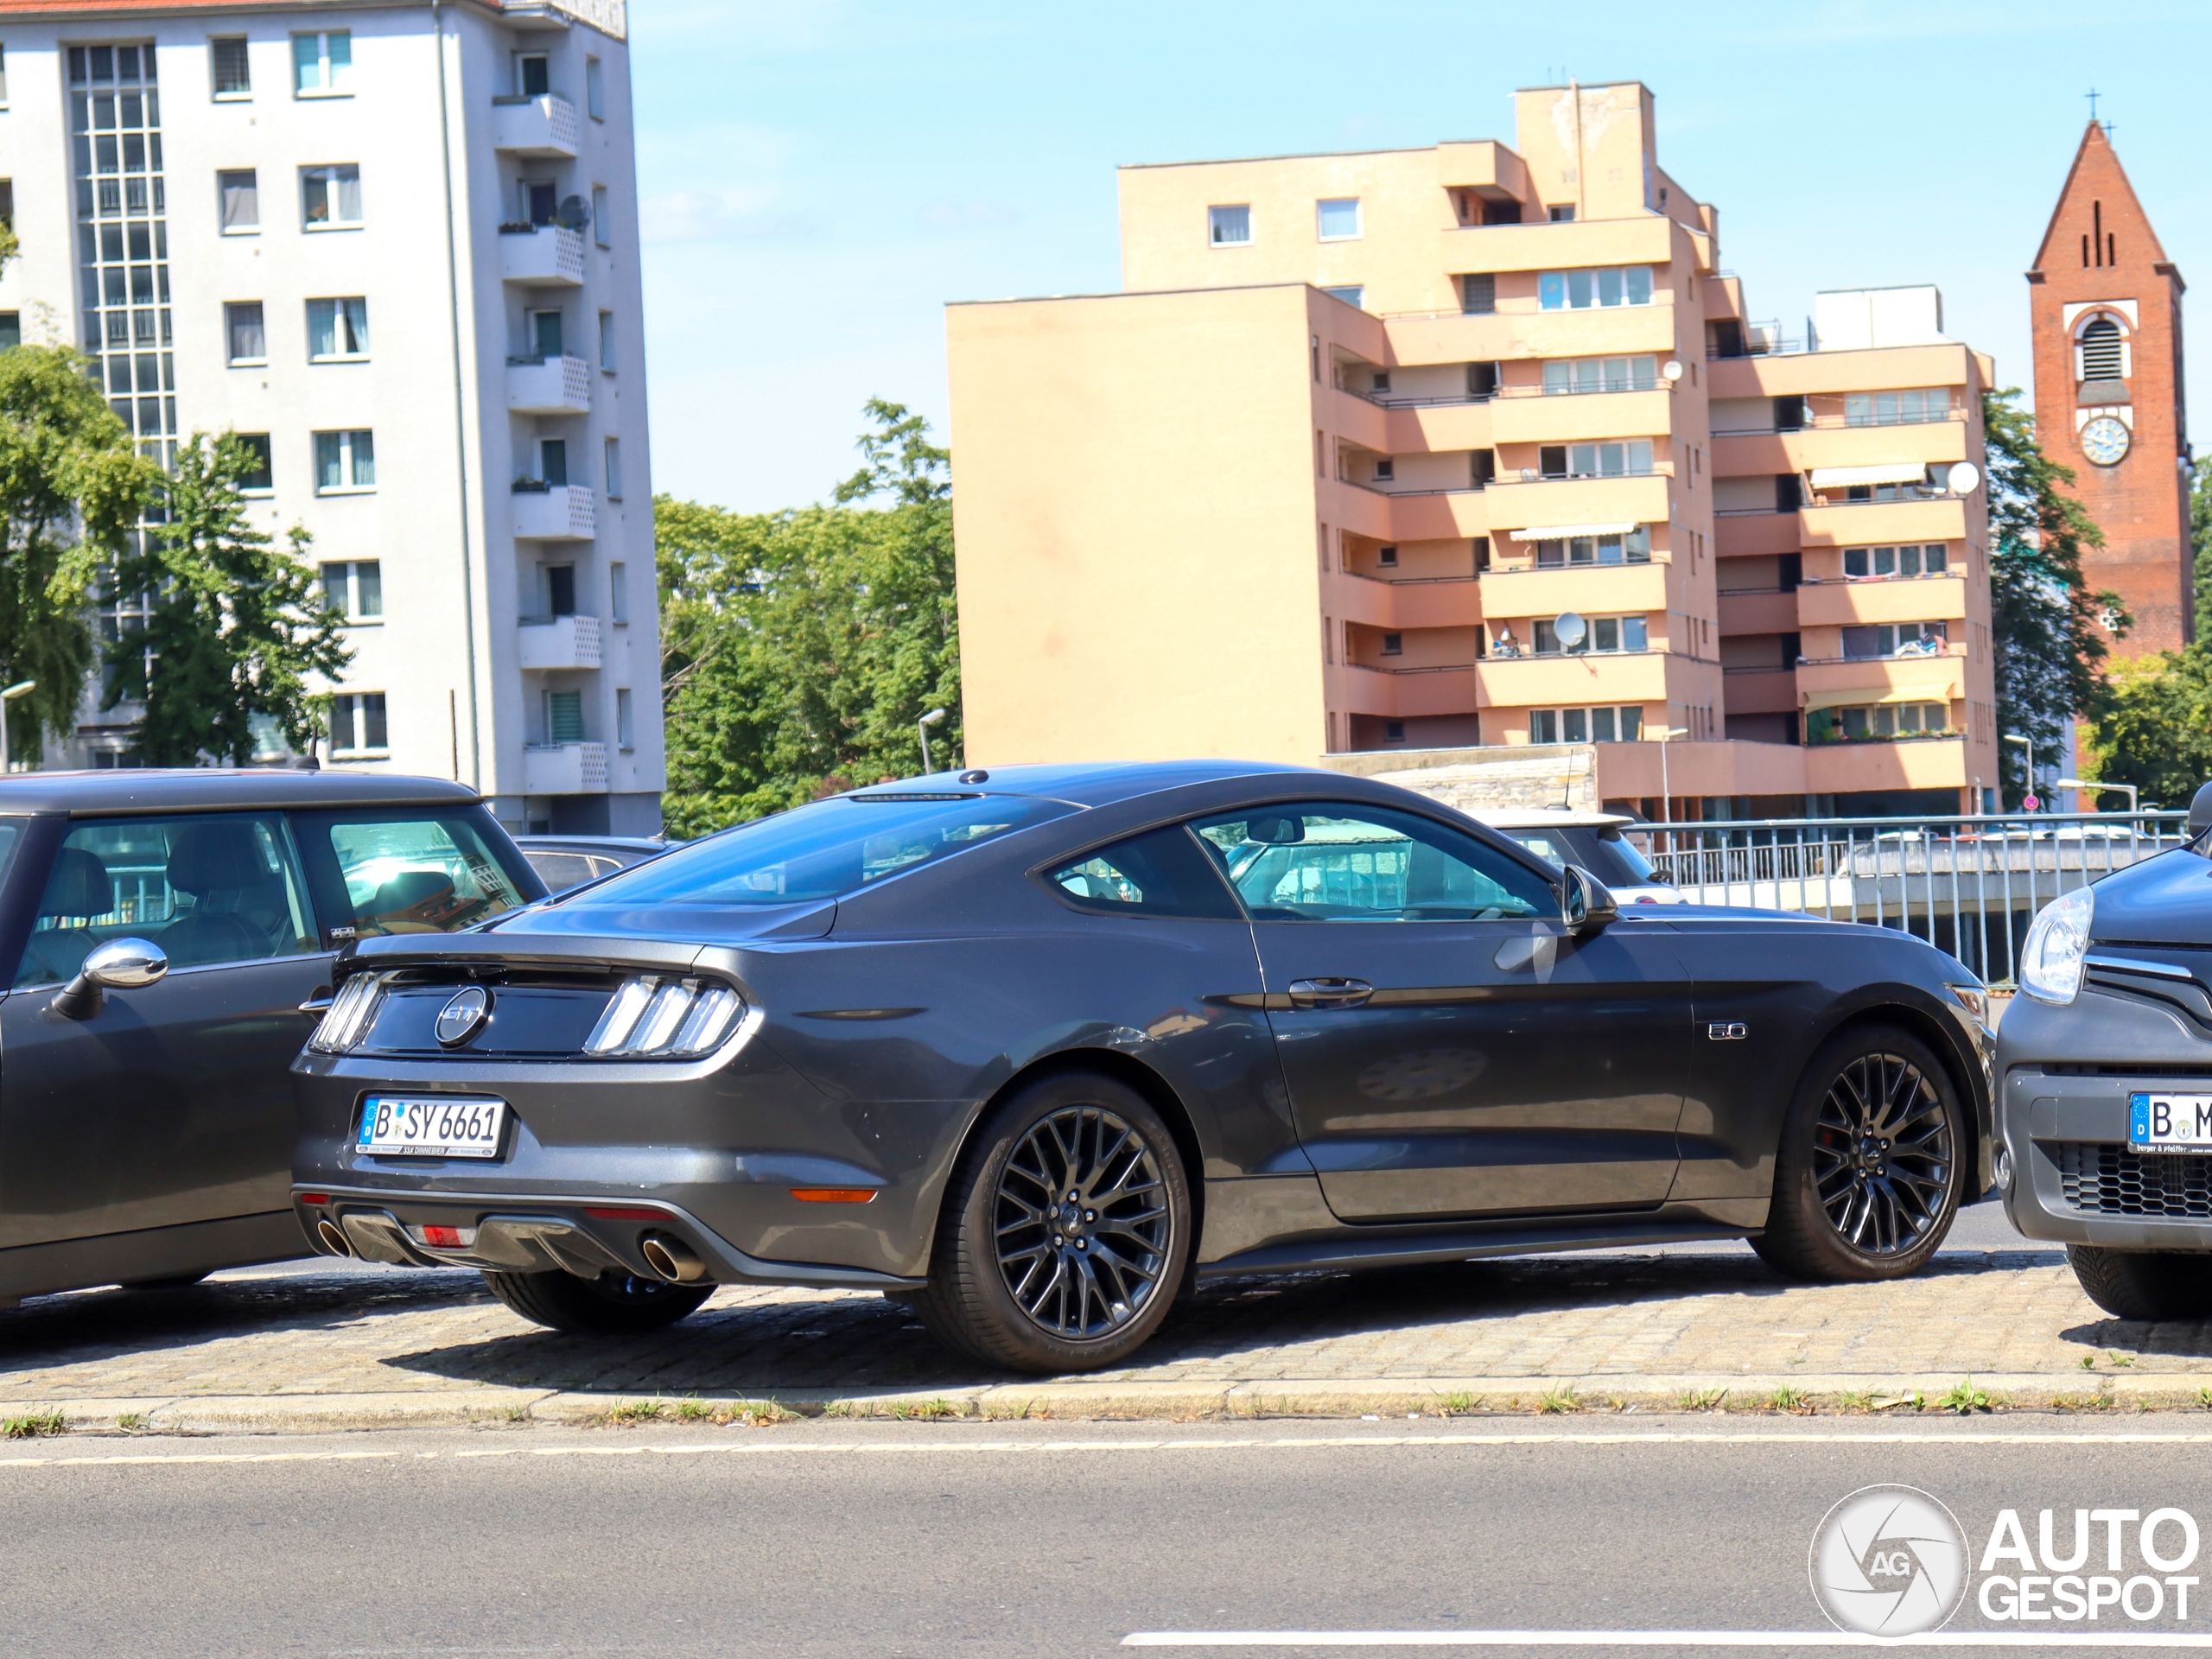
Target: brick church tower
{"type": "Point", "coordinates": [2105, 303]}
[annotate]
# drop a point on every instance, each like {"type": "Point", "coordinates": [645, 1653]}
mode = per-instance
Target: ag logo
{"type": "Point", "coordinates": [463, 1015]}
{"type": "Point", "coordinates": [1888, 1560]}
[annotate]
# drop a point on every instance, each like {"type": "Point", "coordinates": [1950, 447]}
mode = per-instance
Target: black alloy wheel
{"type": "Point", "coordinates": [614, 1305]}
{"type": "Point", "coordinates": [1064, 1237]}
{"type": "Point", "coordinates": [1868, 1177]}
{"type": "Point", "coordinates": [2152, 1286]}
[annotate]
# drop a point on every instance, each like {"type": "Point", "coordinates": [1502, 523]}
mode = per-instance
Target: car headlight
{"type": "Point", "coordinates": [660, 1017]}
{"type": "Point", "coordinates": [2051, 961]}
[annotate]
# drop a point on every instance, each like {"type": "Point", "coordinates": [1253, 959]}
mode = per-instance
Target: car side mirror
{"type": "Point", "coordinates": [1586, 905]}
{"type": "Point", "coordinates": [125, 964]}
{"type": "Point", "coordinates": [2200, 811]}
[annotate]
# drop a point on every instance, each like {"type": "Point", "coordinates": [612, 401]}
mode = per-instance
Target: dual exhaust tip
{"type": "Point", "coordinates": [671, 1259]}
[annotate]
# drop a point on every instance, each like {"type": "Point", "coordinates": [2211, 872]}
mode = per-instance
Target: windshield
{"type": "Point", "coordinates": [822, 851]}
{"type": "Point", "coordinates": [1599, 848]}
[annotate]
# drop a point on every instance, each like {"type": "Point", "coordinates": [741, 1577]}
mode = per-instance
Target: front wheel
{"type": "Point", "coordinates": [1868, 1176]}
{"type": "Point", "coordinates": [1065, 1233]}
{"type": "Point", "coordinates": [2152, 1285]}
{"type": "Point", "coordinates": [615, 1305]}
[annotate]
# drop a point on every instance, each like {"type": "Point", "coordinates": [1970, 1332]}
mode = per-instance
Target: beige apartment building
{"type": "Point", "coordinates": [1471, 457]}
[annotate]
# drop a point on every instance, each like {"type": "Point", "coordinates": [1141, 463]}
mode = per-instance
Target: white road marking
{"type": "Point", "coordinates": [769, 1447]}
{"type": "Point", "coordinates": [1656, 1639]}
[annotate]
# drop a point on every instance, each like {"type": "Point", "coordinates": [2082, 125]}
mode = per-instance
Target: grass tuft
{"type": "Point", "coordinates": [634, 1411]}
{"type": "Point", "coordinates": [1964, 1398]}
{"type": "Point", "coordinates": [131, 1422]}
{"type": "Point", "coordinates": [1555, 1402]}
{"type": "Point", "coordinates": [1458, 1401]}
{"type": "Point", "coordinates": [1703, 1398]}
{"type": "Point", "coordinates": [34, 1426]}
{"type": "Point", "coordinates": [1786, 1398]}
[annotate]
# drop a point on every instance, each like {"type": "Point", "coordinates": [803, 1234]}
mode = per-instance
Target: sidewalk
{"type": "Point", "coordinates": [344, 1346]}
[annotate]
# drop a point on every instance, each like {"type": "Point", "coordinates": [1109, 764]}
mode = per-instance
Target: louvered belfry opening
{"type": "Point", "coordinates": [2101, 350]}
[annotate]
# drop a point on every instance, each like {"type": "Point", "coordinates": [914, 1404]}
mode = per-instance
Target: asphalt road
{"type": "Point", "coordinates": [1030, 1540]}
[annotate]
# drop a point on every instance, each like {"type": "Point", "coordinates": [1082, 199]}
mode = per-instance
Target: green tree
{"type": "Point", "coordinates": [2048, 629]}
{"type": "Point", "coordinates": [2153, 729]}
{"type": "Point", "coordinates": [2200, 537]}
{"type": "Point", "coordinates": [799, 648]}
{"type": "Point", "coordinates": [71, 485]}
{"type": "Point", "coordinates": [234, 628]}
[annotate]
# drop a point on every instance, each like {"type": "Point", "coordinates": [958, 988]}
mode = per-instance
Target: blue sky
{"type": "Point", "coordinates": [818, 177]}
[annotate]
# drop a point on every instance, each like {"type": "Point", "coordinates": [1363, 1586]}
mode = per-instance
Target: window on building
{"type": "Point", "coordinates": [1622, 723]}
{"type": "Point", "coordinates": [625, 731]}
{"type": "Point", "coordinates": [1385, 471]}
{"type": "Point", "coordinates": [1478, 293]}
{"type": "Point", "coordinates": [1482, 381]}
{"type": "Point", "coordinates": [560, 589]}
{"type": "Point", "coordinates": [355, 590]}
{"type": "Point", "coordinates": [1561, 212]}
{"type": "Point", "coordinates": [1387, 557]}
{"type": "Point", "coordinates": [1354, 294]}
{"type": "Point", "coordinates": [601, 232]}
{"type": "Point", "coordinates": [1394, 645]}
{"type": "Point", "coordinates": [1628, 546]}
{"type": "Point", "coordinates": [1629, 459]}
{"type": "Point", "coordinates": [322, 63]}
{"type": "Point", "coordinates": [260, 476]}
{"type": "Point", "coordinates": [4, 76]}
{"type": "Point", "coordinates": [606, 341]}
{"type": "Point", "coordinates": [2102, 351]}
{"type": "Point", "coordinates": [357, 724]}
{"type": "Point", "coordinates": [11, 330]}
{"type": "Point", "coordinates": [1878, 723]}
{"type": "Point", "coordinates": [1896, 408]}
{"type": "Point", "coordinates": [1869, 564]}
{"type": "Point", "coordinates": [1619, 633]}
{"type": "Point", "coordinates": [545, 339]}
{"type": "Point", "coordinates": [1897, 639]}
{"type": "Point", "coordinates": [553, 462]}
{"type": "Point", "coordinates": [1393, 731]}
{"type": "Point", "coordinates": [1337, 218]}
{"type": "Point", "coordinates": [594, 89]}
{"type": "Point", "coordinates": [1230, 227]}
{"type": "Point", "coordinates": [331, 196]}
{"type": "Point", "coordinates": [239, 192]}
{"type": "Point", "coordinates": [249, 339]}
{"type": "Point", "coordinates": [541, 200]}
{"type": "Point", "coordinates": [1580, 374]}
{"type": "Point", "coordinates": [618, 591]}
{"type": "Point", "coordinates": [533, 74]}
{"type": "Point", "coordinates": [1579, 290]}
{"type": "Point", "coordinates": [564, 716]}
{"type": "Point", "coordinates": [227, 63]}
{"type": "Point", "coordinates": [345, 461]}
{"type": "Point", "coordinates": [613, 450]}
{"type": "Point", "coordinates": [7, 203]}
{"type": "Point", "coordinates": [338, 330]}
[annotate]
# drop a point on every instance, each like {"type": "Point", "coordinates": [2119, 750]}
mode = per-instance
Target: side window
{"type": "Point", "coordinates": [1159, 874]}
{"type": "Point", "coordinates": [206, 888]}
{"type": "Point", "coordinates": [419, 875]}
{"type": "Point", "coordinates": [1322, 862]}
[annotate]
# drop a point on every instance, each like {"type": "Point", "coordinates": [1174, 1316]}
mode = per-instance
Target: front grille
{"type": "Point", "coordinates": [2114, 1181]}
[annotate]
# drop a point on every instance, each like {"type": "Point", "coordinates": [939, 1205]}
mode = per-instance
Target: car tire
{"type": "Point", "coordinates": [615, 1305]}
{"type": "Point", "coordinates": [1855, 1199]}
{"type": "Point", "coordinates": [2152, 1286]}
{"type": "Point", "coordinates": [1020, 1281]}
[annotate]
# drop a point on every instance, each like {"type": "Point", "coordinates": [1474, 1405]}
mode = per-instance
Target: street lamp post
{"type": "Point", "coordinates": [1666, 790]}
{"type": "Point", "coordinates": [23, 688]}
{"type": "Point", "coordinates": [2029, 745]}
{"type": "Point", "coordinates": [922, 727]}
{"type": "Point", "coordinates": [2133, 793]}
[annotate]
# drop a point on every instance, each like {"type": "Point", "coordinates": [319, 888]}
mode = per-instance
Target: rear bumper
{"type": "Point", "coordinates": [520, 1233]}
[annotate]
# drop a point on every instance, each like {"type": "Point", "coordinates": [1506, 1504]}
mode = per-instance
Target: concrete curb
{"type": "Point", "coordinates": [1845, 1393]}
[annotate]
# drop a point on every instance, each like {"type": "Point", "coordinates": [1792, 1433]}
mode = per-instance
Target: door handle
{"type": "Point", "coordinates": [318, 1004]}
{"type": "Point", "coordinates": [1329, 993]}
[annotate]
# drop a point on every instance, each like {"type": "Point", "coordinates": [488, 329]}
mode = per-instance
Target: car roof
{"type": "Point", "coordinates": [211, 788]}
{"type": "Point", "coordinates": [1093, 783]}
{"type": "Point", "coordinates": [592, 843]}
{"type": "Point", "coordinates": [1537, 817]}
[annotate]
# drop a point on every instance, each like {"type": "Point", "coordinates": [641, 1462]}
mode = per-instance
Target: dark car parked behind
{"type": "Point", "coordinates": [170, 937]}
{"type": "Point", "coordinates": [1033, 1047]}
{"type": "Point", "coordinates": [565, 861]}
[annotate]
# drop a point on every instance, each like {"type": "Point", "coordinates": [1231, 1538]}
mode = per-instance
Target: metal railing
{"type": "Point", "coordinates": [1969, 885]}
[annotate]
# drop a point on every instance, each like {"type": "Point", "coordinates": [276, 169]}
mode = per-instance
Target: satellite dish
{"type": "Point", "coordinates": [1571, 629]}
{"type": "Point", "coordinates": [1963, 477]}
{"type": "Point", "coordinates": [1671, 369]}
{"type": "Point", "coordinates": [572, 215]}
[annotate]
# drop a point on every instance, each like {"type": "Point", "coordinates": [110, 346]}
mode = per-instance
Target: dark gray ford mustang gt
{"type": "Point", "coordinates": [1042, 1047]}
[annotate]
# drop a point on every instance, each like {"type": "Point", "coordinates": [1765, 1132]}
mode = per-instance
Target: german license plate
{"type": "Point", "coordinates": [430, 1126]}
{"type": "Point", "coordinates": [2169, 1123]}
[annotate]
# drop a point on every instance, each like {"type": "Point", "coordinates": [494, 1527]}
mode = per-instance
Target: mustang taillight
{"type": "Point", "coordinates": [349, 1016]}
{"type": "Point", "coordinates": [661, 1017]}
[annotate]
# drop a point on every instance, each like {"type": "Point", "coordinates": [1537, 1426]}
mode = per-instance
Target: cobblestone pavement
{"type": "Point", "coordinates": [311, 1331]}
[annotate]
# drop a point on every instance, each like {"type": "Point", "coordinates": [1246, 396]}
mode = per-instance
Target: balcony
{"type": "Point", "coordinates": [541, 256]}
{"type": "Point", "coordinates": [549, 385]}
{"type": "Point", "coordinates": [558, 513]}
{"type": "Point", "coordinates": [548, 643]}
{"type": "Point", "coordinates": [545, 126]}
{"type": "Point", "coordinates": [564, 769]}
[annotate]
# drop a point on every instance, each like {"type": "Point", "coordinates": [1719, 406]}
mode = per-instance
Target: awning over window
{"type": "Point", "coordinates": [1562, 532]}
{"type": "Point", "coordinates": [1939, 692]}
{"type": "Point", "coordinates": [1889, 472]}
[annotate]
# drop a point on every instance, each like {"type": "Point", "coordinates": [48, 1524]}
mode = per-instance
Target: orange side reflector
{"type": "Point", "coordinates": [834, 1194]}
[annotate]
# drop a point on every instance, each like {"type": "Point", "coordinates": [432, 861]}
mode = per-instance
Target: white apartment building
{"type": "Point", "coordinates": [395, 247]}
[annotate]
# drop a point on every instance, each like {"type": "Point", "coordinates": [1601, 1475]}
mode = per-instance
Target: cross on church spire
{"type": "Point", "coordinates": [2093, 95]}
